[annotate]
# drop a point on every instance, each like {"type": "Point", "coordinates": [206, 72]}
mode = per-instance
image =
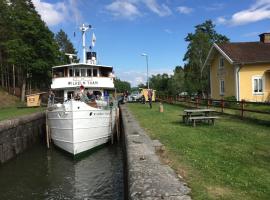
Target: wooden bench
{"type": "Point", "coordinates": [184, 117]}
{"type": "Point", "coordinates": [203, 118]}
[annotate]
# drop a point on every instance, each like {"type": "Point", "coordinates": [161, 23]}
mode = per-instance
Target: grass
{"type": "Point", "coordinates": [12, 112]}
{"type": "Point", "coordinates": [230, 160]}
{"type": "Point", "coordinates": [9, 106]}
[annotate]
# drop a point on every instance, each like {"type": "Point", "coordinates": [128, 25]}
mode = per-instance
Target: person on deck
{"type": "Point", "coordinates": [51, 97]}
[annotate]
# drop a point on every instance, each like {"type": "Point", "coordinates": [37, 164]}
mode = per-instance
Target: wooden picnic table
{"type": "Point", "coordinates": [193, 115]}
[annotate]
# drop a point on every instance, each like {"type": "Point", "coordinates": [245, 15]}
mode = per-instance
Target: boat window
{"type": "Point", "coordinates": [95, 72]}
{"type": "Point", "coordinates": [105, 72]}
{"type": "Point", "coordinates": [77, 72]}
{"type": "Point", "coordinates": [89, 72]}
{"type": "Point", "coordinates": [59, 72]}
{"type": "Point", "coordinates": [70, 72]}
{"type": "Point", "coordinates": [83, 71]}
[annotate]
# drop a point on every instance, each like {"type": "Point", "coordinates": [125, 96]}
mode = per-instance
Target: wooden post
{"type": "Point", "coordinates": [47, 131]}
{"type": "Point", "coordinates": [197, 102]}
{"type": "Point", "coordinates": [161, 107]}
{"type": "Point", "coordinates": [222, 105]}
{"type": "Point", "coordinates": [208, 103]}
{"type": "Point", "coordinates": [242, 108]}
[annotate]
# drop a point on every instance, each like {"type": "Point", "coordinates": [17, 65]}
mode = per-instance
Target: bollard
{"type": "Point", "coordinates": [161, 107]}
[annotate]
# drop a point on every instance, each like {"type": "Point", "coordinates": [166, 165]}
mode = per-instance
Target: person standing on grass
{"type": "Point", "coordinates": [150, 94]}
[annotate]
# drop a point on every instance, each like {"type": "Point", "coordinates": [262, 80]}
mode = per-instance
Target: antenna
{"type": "Point", "coordinates": [70, 56]}
{"type": "Point", "coordinates": [84, 28]}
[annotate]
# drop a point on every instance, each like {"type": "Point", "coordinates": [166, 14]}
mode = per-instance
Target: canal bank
{"type": "Point", "coordinates": [17, 135]}
{"type": "Point", "coordinates": [146, 176]}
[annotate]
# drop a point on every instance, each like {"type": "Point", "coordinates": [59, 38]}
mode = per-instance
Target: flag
{"type": "Point", "coordinates": [93, 40]}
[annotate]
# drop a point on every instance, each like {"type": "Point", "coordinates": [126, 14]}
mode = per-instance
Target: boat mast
{"type": "Point", "coordinates": [84, 28]}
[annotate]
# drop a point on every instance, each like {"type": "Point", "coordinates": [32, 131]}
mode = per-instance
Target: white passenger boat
{"type": "Point", "coordinates": [85, 118]}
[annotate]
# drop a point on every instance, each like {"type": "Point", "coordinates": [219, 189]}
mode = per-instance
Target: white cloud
{"type": "Point", "coordinates": [130, 9]}
{"type": "Point", "coordinates": [52, 14]}
{"type": "Point", "coordinates": [184, 10]}
{"type": "Point", "coordinates": [139, 76]}
{"type": "Point", "coordinates": [123, 9]}
{"type": "Point", "coordinates": [257, 12]}
{"type": "Point", "coordinates": [133, 77]}
{"type": "Point", "coordinates": [162, 10]}
{"type": "Point", "coordinates": [221, 20]}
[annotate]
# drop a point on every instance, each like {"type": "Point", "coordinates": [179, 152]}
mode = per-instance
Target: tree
{"type": "Point", "coordinates": [121, 86]}
{"type": "Point", "coordinates": [65, 46]}
{"type": "Point", "coordinates": [200, 42]}
{"type": "Point", "coordinates": [31, 46]}
{"type": "Point", "coordinates": [159, 82]}
{"type": "Point", "coordinates": [176, 82]}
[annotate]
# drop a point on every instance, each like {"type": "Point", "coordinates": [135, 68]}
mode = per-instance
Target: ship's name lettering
{"type": "Point", "coordinates": [82, 83]}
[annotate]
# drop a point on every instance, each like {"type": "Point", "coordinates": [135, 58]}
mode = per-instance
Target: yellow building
{"type": "Point", "coordinates": [241, 70]}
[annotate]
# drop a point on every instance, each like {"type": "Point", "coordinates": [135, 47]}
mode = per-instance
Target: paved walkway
{"type": "Point", "coordinates": [148, 178]}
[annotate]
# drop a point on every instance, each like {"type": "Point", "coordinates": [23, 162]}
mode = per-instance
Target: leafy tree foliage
{"type": "Point", "coordinates": [200, 42]}
{"type": "Point", "coordinates": [65, 46]}
{"type": "Point", "coordinates": [26, 43]}
{"type": "Point", "coordinates": [159, 82]}
{"type": "Point", "coordinates": [165, 84]}
{"type": "Point", "coordinates": [121, 86]}
{"type": "Point", "coordinates": [176, 82]}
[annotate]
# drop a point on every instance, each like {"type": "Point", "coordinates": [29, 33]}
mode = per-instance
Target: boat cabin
{"type": "Point", "coordinates": [96, 79]}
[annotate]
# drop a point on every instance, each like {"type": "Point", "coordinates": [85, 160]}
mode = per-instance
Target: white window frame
{"type": "Point", "coordinates": [219, 62]}
{"type": "Point", "coordinates": [257, 77]}
{"type": "Point", "coordinates": [221, 90]}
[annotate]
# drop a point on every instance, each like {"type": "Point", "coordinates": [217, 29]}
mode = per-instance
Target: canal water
{"type": "Point", "coordinates": [52, 174]}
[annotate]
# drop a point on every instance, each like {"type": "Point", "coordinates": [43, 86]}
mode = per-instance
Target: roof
{"type": "Point", "coordinates": [241, 52]}
{"type": "Point", "coordinates": [247, 52]}
{"type": "Point", "coordinates": [81, 64]}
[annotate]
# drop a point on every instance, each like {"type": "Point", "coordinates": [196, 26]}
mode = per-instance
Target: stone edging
{"type": "Point", "coordinates": [148, 178]}
{"type": "Point", "coordinates": [12, 123]}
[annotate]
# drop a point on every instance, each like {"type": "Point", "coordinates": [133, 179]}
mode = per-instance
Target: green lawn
{"type": "Point", "coordinates": [12, 112]}
{"type": "Point", "coordinates": [230, 160]}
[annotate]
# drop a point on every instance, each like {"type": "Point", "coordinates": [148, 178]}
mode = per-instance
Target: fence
{"type": "Point", "coordinates": [242, 106]}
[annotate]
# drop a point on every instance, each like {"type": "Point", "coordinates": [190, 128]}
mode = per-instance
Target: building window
{"type": "Point", "coordinates": [221, 87]}
{"type": "Point", "coordinates": [257, 84]}
{"type": "Point", "coordinates": [221, 62]}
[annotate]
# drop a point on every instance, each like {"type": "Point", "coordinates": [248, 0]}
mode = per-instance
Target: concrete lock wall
{"type": "Point", "coordinates": [147, 178]}
{"type": "Point", "coordinates": [16, 135]}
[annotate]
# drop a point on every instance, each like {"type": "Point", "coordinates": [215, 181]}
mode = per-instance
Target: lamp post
{"type": "Point", "coordinates": [146, 57]}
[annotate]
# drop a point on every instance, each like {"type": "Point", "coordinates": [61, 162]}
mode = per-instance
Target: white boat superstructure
{"type": "Point", "coordinates": [82, 114]}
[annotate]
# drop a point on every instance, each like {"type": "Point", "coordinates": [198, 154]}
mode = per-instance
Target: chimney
{"type": "Point", "coordinates": [91, 58]}
{"type": "Point", "coordinates": [265, 37]}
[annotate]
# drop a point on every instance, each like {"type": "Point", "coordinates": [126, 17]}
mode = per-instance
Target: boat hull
{"type": "Point", "coordinates": [76, 127]}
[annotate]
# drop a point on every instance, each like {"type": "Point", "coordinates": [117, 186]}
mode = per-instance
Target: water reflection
{"type": "Point", "coordinates": [51, 174]}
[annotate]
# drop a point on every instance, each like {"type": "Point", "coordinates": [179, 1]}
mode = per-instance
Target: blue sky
{"type": "Point", "coordinates": [126, 28]}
